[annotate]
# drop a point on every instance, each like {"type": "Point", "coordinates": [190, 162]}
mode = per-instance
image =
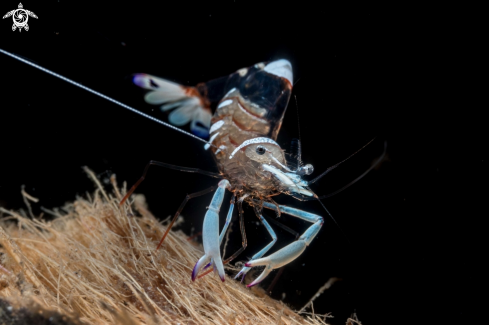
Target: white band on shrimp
{"type": "Point", "coordinates": [253, 141]}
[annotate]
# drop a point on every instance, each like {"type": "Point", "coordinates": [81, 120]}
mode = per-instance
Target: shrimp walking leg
{"type": "Point", "coordinates": [228, 220]}
{"type": "Point", "coordinates": [244, 241]}
{"type": "Point", "coordinates": [210, 234]}
{"type": "Point", "coordinates": [294, 249]}
{"type": "Point", "coordinates": [162, 164]}
{"type": "Point", "coordinates": [262, 252]}
{"type": "Point", "coordinates": [182, 205]}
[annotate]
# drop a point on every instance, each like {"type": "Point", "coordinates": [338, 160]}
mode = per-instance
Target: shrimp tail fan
{"type": "Point", "coordinates": [187, 104]}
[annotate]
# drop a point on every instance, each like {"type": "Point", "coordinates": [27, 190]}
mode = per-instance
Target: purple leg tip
{"type": "Point", "coordinates": [252, 284]}
{"type": "Point", "coordinates": [222, 279]}
{"type": "Point", "coordinates": [247, 265]}
{"type": "Point", "coordinates": [136, 79]}
{"type": "Point", "coordinates": [205, 267]}
{"type": "Point", "coordinates": [194, 272]}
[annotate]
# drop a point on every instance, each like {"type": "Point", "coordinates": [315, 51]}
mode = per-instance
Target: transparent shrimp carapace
{"type": "Point", "coordinates": [249, 106]}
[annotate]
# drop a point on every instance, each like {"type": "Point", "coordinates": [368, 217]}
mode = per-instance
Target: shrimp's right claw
{"type": "Point", "coordinates": [277, 259]}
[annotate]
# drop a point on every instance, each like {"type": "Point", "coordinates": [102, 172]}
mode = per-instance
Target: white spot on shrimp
{"type": "Point", "coordinates": [225, 103]}
{"type": "Point", "coordinates": [242, 72]}
{"type": "Point", "coordinates": [221, 147]}
{"type": "Point", "coordinates": [248, 113]}
{"type": "Point", "coordinates": [229, 92]}
{"type": "Point", "coordinates": [216, 126]}
{"type": "Point", "coordinates": [281, 68]}
{"type": "Point", "coordinates": [208, 144]}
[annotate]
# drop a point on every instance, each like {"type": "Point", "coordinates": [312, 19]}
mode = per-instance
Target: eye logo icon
{"type": "Point", "coordinates": [20, 17]}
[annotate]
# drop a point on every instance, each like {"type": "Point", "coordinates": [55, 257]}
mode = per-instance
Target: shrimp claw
{"type": "Point", "coordinates": [210, 234]}
{"type": "Point", "coordinates": [289, 252]}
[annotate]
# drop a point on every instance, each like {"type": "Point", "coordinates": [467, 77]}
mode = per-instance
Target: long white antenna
{"type": "Point", "coordinates": [99, 94]}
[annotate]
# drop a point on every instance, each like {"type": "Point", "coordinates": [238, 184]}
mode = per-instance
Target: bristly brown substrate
{"type": "Point", "coordinates": [97, 263]}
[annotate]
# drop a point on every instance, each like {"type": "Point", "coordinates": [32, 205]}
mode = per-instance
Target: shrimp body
{"type": "Point", "coordinates": [252, 108]}
{"type": "Point", "coordinates": [249, 108]}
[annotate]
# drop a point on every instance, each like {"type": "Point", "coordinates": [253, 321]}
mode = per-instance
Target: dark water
{"type": "Point", "coordinates": [360, 72]}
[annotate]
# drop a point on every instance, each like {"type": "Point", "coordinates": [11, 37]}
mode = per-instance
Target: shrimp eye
{"type": "Point", "coordinates": [260, 150]}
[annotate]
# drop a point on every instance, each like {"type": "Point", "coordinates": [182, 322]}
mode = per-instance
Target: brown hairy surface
{"type": "Point", "coordinates": [96, 264]}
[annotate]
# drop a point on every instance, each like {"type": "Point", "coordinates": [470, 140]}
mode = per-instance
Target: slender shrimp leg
{"type": "Point", "coordinates": [245, 269]}
{"type": "Point", "coordinates": [228, 220]}
{"type": "Point", "coordinates": [210, 234]}
{"type": "Point", "coordinates": [294, 249]}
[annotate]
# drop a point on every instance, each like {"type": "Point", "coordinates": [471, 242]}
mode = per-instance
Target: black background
{"type": "Point", "coordinates": [405, 75]}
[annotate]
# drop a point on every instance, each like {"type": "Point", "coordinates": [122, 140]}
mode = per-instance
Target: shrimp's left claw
{"type": "Point", "coordinates": [210, 235]}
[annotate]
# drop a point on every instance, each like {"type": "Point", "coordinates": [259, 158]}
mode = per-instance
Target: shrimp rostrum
{"type": "Point", "coordinates": [250, 105]}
